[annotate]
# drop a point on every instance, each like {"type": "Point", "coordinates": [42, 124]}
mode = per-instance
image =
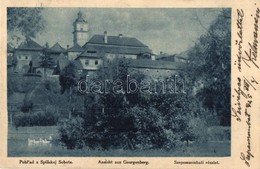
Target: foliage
{"type": "Point", "coordinates": [135, 120]}
{"type": "Point", "coordinates": [68, 77]}
{"type": "Point", "coordinates": [27, 20]}
{"type": "Point", "coordinates": [46, 118]}
{"type": "Point", "coordinates": [72, 132]}
{"type": "Point", "coordinates": [164, 121]}
{"type": "Point", "coordinates": [46, 61]}
{"type": "Point", "coordinates": [210, 65]}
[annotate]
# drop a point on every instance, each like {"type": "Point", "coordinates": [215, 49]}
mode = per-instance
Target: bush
{"type": "Point", "coordinates": [72, 132]}
{"type": "Point", "coordinates": [47, 118]}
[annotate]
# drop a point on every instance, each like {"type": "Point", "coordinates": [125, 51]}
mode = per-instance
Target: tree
{"type": "Point", "coordinates": [46, 61]}
{"type": "Point", "coordinates": [210, 65]}
{"type": "Point", "coordinates": [24, 23]}
{"type": "Point", "coordinates": [68, 80]}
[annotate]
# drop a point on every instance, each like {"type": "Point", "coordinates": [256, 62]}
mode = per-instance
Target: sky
{"type": "Point", "coordinates": [168, 30]}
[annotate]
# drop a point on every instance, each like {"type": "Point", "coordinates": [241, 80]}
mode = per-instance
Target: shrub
{"type": "Point", "coordinates": [72, 132]}
{"type": "Point", "coordinates": [47, 118]}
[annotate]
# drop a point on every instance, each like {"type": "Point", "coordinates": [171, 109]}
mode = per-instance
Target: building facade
{"type": "Point", "coordinates": [89, 55]}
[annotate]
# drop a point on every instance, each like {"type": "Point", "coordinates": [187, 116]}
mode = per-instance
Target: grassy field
{"type": "Point", "coordinates": [18, 147]}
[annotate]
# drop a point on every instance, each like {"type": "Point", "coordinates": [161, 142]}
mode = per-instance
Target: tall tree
{"type": "Point", "coordinates": [46, 61]}
{"type": "Point", "coordinates": [68, 80]}
{"type": "Point", "coordinates": [211, 66]}
{"type": "Point", "coordinates": [23, 23]}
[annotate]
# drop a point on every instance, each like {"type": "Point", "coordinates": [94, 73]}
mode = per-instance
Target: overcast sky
{"type": "Point", "coordinates": [167, 30]}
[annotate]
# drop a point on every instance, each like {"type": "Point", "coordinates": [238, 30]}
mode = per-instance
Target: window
{"type": "Point", "coordinates": [19, 57]}
{"type": "Point", "coordinates": [81, 29]}
{"type": "Point", "coordinates": [90, 51]}
{"type": "Point", "coordinates": [26, 57]}
{"type": "Point", "coordinates": [86, 62]}
{"type": "Point", "coordinates": [96, 62]}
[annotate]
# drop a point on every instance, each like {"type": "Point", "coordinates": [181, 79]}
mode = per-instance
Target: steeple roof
{"type": "Point", "coordinates": [80, 17]}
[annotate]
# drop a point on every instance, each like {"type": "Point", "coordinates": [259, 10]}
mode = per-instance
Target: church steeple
{"type": "Point", "coordinates": [81, 31]}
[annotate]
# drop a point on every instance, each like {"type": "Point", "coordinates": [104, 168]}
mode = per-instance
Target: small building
{"type": "Point", "coordinates": [28, 52]}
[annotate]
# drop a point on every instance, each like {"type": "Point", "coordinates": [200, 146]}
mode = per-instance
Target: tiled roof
{"type": "Point", "coordinates": [76, 48]}
{"type": "Point", "coordinates": [100, 50]}
{"type": "Point", "coordinates": [29, 44]}
{"type": "Point", "coordinates": [115, 40]}
{"type": "Point", "coordinates": [57, 48]}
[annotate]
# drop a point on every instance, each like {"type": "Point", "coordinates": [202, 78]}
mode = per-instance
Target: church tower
{"type": "Point", "coordinates": [81, 31]}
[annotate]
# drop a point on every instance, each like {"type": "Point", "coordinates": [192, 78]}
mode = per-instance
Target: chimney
{"type": "Point", "coordinates": [105, 37]}
{"type": "Point", "coordinates": [120, 35]}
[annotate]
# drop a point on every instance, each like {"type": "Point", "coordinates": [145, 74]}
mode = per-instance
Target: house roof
{"type": "Point", "coordinates": [57, 48]}
{"type": "Point", "coordinates": [76, 48]}
{"type": "Point", "coordinates": [115, 40]}
{"type": "Point", "coordinates": [9, 48]}
{"type": "Point", "coordinates": [166, 57]}
{"type": "Point", "coordinates": [100, 50]}
{"type": "Point", "coordinates": [29, 44]}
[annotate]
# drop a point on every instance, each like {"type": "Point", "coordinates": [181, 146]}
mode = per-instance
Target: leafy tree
{"type": "Point", "coordinates": [68, 81]}
{"type": "Point", "coordinates": [72, 132]}
{"type": "Point", "coordinates": [26, 22]}
{"type": "Point", "coordinates": [210, 66]}
{"type": "Point", "coordinates": [46, 61]}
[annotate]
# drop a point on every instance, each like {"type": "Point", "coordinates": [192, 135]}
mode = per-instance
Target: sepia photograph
{"type": "Point", "coordinates": [118, 82]}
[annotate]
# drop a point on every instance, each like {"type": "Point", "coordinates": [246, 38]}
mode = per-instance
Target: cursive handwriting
{"type": "Point", "coordinates": [237, 112]}
{"type": "Point", "coordinates": [248, 155]}
{"type": "Point", "coordinates": [251, 55]}
{"type": "Point", "coordinates": [240, 16]}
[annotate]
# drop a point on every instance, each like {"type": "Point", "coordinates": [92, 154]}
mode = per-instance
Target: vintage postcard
{"type": "Point", "coordinates": [130, 84]}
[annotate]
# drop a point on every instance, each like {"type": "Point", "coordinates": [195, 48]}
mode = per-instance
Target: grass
{"type": "Point", "coordinates": [17, 147]}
